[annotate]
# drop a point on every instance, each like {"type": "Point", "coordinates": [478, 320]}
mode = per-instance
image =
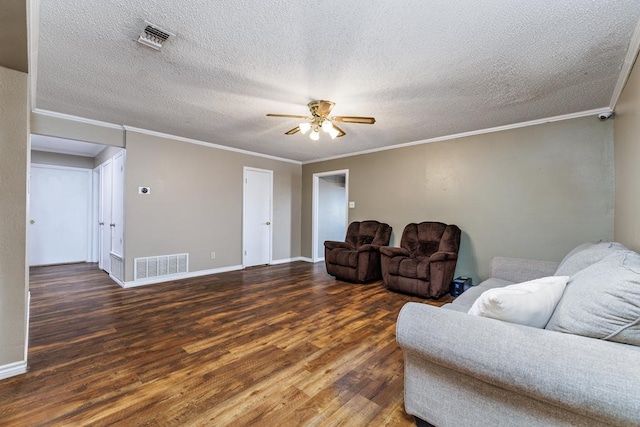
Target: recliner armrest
{"type": "Point", "coordinates": [391, 251]}
{"type": "Point", "coordinates": [330, 244]}
{"type": "Point", "coordinates": [369, 248]}
{"type": "Point", "coordinates": [588, 376]}
{"type": "Point", "coordinates": [443, 256]}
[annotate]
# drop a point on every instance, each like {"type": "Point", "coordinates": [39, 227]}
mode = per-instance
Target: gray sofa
{"type": "Point", "coordinates": [466, 370]}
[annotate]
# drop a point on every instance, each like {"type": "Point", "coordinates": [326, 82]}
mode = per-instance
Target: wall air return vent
{"type": "Point", "coordinates": [153, 36]}
{"type": "Point", "coordinates": [166, 265]}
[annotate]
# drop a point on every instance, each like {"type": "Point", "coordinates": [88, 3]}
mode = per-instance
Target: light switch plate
{"type": "Point", "coordinates": [352, 205]}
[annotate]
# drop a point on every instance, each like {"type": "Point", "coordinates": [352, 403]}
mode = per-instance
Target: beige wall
{"type": "Point", "coordinates": [43, 124]}
{"type": "Point", "coordinates": [57, 159]}
{"type": "Point", "coordinates": [14, 131]}
{"type": "Point", "coordinates": [627, 156]}
{"type": "Point", "coordinates": [195, 205]}
{"type": "Point", "coordinates": [532, 192]}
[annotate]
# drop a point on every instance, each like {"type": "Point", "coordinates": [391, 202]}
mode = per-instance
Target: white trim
{"type": "Point", "coordinates": [27, 320]}
{"type": "Point", "coordinates": [208, 144]}
{"type": "Point", "coordinates": [315, 256]}
{"type": "Point", "coordinates": [287, 260]}
{"type": "Point", "coordinates": [593, 112]}
{"type": "Point", "coordinates": [77, 119]}
{"type": "Point", "coordinates": [305, 259]}
{"type": "Point", "coordinates": [13, 369]}
{"type": "Point", "coordinates": [244, 209]}
{"type": "Point", "coordinates": [627, 66]}
{"type": "Point", "coordinates": [172, 277]}
{"type": "Point", "coordinates": [33, 36]}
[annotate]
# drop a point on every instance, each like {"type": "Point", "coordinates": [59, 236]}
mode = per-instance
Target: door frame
{"type": "Point", "coordinates": [89, 201]}
{"type": "Point", "coordinates": [244, 210]}
{"type": "Point", "coordinates": [315, 256]}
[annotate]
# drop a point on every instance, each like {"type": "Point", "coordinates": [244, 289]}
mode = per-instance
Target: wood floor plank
{"type": "Point", "coordinates": [275, 345]}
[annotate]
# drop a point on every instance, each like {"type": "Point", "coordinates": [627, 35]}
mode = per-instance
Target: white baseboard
{"type": "Point", "coordinates": [13, 369]}
{"type": "Point", "coordinates": [286, 260]}
{"type": "Point", "coordinates": [162, 279]}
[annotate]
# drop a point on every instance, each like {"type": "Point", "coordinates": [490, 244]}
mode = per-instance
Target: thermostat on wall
{"type": "Point", "coordinates": [144, 190]}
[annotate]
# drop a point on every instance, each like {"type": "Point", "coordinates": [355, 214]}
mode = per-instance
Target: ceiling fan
{"type": "Point", "coordinates": [320, 120]}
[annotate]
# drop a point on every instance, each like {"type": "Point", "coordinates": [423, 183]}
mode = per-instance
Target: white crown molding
{"type": "Point", "coordinates": [13, 369]}
{"type": "Point", "coordinates": [208, 144]}
{"type": "Point", "coordinates": [77, 119]}
{"type": "Point", "coordinates": [593, 112]}
{"type": "Point", "coordinates": [627, 66]}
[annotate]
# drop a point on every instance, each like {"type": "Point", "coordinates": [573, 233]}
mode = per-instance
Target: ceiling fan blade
{"type": "Point", "coordinates": [292, 131]}
{"type": "Point", "coordinates": [342, 133]}
{"type": "Point", "coordinates": [292, 116]}
{"type": "Point", "coordinates": [354, 119]}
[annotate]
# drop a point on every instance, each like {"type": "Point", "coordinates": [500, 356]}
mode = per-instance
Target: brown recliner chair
{"type": "Point", "coordinates": [425, 263]}
{"type": "Point", "coordinates": [357, 259]}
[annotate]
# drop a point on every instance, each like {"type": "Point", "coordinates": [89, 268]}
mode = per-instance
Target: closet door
{"type": "Point", "coordinates": [117, 206]}
{"type": "Point", "coordinates": [106, 183]}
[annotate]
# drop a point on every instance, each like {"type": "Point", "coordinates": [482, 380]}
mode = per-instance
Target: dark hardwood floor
{"type": "Point", "coordinates": [276, 345]}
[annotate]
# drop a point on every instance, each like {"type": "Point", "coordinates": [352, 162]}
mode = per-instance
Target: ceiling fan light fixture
{"type": "Point", "coordinates": [327, 125]}
{"type": "Point", "coordinates": [333, 132]}
{"type": "Point", "coordinates": [315, 135]}
{"type": "Point", "coordinates": [304, 127]}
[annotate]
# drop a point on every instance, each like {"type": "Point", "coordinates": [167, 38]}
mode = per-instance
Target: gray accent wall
{"type": "Point", "coordinates": [627, 161]}
{"type": "Point", "coordinates": [195, 204]}
{"type": "Point", "coordinates": [533, 192]}
{"type": "Point", "coordinates": [14, 149]}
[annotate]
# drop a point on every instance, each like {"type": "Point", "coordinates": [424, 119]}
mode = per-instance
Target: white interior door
{"type": "Point", "coordinates": [117, 207]}
{"type": "Point", "coordinates": [106, 182]}
{"type": "Point", "coordinates": [256, 229]}
{"type": "Point", "coordinates": [59, 210]}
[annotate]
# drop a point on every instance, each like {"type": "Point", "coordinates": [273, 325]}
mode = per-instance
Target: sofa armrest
{"type": "Point", "coordinates": [521, 270]}
{"type": "Point", "coordinates": [443, 256]}
{"type": "Point", "coordinates": [391, 251]}
{"type": "Point", "coordinates": [591, 377]}
{"type": "Point", "coordinates": [329, 244]}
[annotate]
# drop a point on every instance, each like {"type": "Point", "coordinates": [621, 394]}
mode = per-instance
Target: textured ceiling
{"type": "Point", "coordinates": [423, 69]}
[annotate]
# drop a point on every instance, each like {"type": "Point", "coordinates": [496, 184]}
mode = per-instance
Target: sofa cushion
{"type": "Point", "coordinates": [603, 300]}
{"type": "Point", "coordinates": [585, 255]}
{"type": "Point", "coordinates": [529, 303]}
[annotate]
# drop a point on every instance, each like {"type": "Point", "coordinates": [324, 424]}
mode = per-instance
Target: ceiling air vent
{"type": "Point", "coordinates": [153, 36]}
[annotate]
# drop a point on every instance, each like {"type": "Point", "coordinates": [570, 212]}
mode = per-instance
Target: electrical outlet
{"type": "Point", "coordinates": [213, 255]}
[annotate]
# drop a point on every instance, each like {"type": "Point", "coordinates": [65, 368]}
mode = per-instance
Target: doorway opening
{"type": "Point", "coordinates": [330, 209]}
{"type": "Point", "coordinates": [67, 200]}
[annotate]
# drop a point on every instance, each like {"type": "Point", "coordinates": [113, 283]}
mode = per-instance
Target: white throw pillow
{"type": "Point", "coordinates": [530, 303]}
